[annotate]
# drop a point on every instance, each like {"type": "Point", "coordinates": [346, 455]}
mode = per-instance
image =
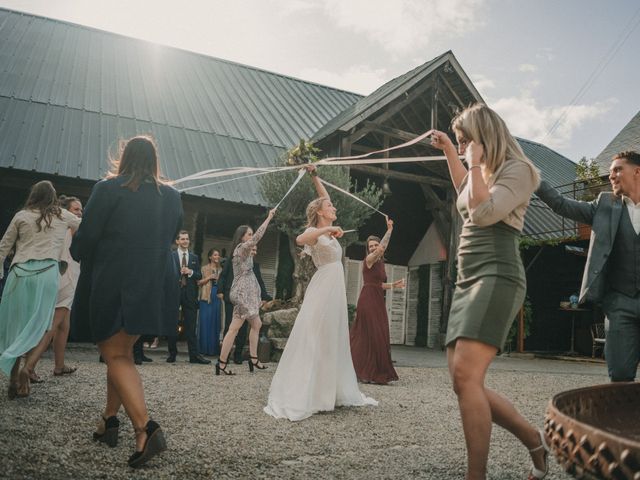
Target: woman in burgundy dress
{"type": "Point", "coordinates": [369, 336]}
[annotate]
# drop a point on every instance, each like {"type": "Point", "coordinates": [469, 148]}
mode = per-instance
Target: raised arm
{"type": "Point", "coordinates": [244, 249]}
{"type": "Point", "coordinates": [320, 189]}
{"type": "Point", "coordinates": [310, 235]}
{"type": "Point", "coordinates": [457, 170]}
{"type": "Point", "coordinates": [377, 254]}
{"type": "Point", "coordinates": [577, 210]}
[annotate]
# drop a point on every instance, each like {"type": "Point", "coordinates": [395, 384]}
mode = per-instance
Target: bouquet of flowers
{"type": "Point", "coordinates": [303, 153]}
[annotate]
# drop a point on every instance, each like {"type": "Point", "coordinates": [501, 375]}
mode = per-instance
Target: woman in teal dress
{"type": "Point", "coordinates": [494, 189]}
{"type": "Point", "coordinates": [37, 234]}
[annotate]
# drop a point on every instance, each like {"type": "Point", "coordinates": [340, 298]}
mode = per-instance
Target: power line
{"type": "Point", "coordinates": [600, 67]}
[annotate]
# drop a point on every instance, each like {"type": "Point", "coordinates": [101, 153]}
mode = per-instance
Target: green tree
{"type": "Point", "coordinates": [291, 216]}
{"type": "Point", "coordinates": [588, 175]}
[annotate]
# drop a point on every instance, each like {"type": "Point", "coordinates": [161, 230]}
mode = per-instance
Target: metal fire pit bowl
{"type": "Point", "coordinates": [595, 431]}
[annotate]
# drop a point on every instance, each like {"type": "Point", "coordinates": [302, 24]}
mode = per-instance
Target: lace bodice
{"type": "Point", "coordinates": [326, 250]}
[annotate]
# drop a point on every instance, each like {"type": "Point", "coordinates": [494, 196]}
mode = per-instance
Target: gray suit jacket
{"type": "Point", "coordinates": [603, 214]}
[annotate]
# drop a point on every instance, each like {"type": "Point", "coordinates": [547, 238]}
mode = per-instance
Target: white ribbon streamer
{"type": "Point", "coordinates": [218, 172]}
{"type": "Point", "coordinates": [346, 192]}
{"type": "Point", "coordinates": [263, 171]}
{"type": "Point", "coordinates": [300, 175]}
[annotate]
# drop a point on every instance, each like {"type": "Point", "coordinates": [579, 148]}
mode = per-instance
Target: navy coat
{"type": "Point", "coordinates": [128, 275]}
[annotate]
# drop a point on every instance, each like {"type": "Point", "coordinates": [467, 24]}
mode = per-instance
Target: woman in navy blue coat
{"type": "Point", "coordinates": [131, 281]}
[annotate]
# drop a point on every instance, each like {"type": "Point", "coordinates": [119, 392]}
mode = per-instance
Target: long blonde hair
{"type": "Point", "coordinates": [312, 211]}
{"type": "Point", "coordinates": [484, 126]}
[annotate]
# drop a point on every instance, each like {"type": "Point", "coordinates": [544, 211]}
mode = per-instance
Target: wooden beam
{"type": "Point", "coordinates": [409, 98]}
{"type": "Point", "coordinates": [362, 148]}
{"type": "Point", "coordinates": [434, 105]}
{"type": "Point", "coordinates": [356, 134]}
{"type": "Point", "coordinates": [440, 213]}
{"type": "Point", "coordinates": [402, 176]}
{"type": "Point", "coordinates": [395, 133]}
{"type": "Point", "coordinates": [452, 91]}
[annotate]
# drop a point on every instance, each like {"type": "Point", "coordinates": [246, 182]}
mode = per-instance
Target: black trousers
{"type": "Point", "coordinates": [189, 319]}
{"type": "Point", "coordinates": [241, 339]}
{"type": "Point", "coordinates": [137, 347]}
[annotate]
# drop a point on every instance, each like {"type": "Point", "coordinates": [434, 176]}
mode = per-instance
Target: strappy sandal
{"type": "Point", "coordinates": [64, 371]}
{"type": "Point", "coordinates": [536, 474]}
{"type": "Point", "coordinates": [153, 445]}
{"type": "Point", "coordinates": [110, 432]}
{"type": "Point", "coordinates": [256, 365]}
{"type": "Point", "coordinates": [224, 370]}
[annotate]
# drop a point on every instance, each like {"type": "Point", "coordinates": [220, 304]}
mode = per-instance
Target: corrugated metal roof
{"type": "Point", "coordinates": [627, 139]}
{"type": "Point", "coordinates": [58, 77]}
{"type": "Point", "coordinates": [540, 222]}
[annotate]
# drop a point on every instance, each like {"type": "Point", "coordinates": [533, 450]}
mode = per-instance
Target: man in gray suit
{"type": "Point", "coordinates": [612, 272]}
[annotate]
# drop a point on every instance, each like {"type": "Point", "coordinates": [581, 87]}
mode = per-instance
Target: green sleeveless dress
{"type": "Point", "coordinates": [491, 282]}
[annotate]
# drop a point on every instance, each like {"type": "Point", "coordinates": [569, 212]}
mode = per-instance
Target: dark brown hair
{"type": "Point", "coordinates": [237, 237]}
{"type": "Point", "coordinates": [138, 159]}
{"type": "Point", "coordinates": [42, 197]}
{"type": "Point", "coordinates": [630, 156]}
{"type": "Point", "coordinates": [66, 201]}
{"type": "Point", "coordinates": [210, 252]}
{"type": "Point", "coordinates": [183, 232]}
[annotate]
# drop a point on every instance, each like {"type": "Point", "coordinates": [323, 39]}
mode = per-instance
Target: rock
{"type": "Point", "coordinates": [280, 322]}
{"type": "Point", "coordinates": [278, 343]}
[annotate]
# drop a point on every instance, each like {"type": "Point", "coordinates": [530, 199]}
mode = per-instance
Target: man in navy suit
{"type": "Point", "coordinates": [612, 271]}
{"type": "Point", "coordinates": [189, 267]}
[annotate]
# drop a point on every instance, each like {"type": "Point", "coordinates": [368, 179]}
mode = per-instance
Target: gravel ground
{"type": "Point", "coordinates": [215, 426]}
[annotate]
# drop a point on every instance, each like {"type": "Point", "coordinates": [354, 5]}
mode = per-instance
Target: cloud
{"type": "Point", "coordinates": [482, 83]}
{"type": "Point", "coordinates": [546, 53]}
{"type": "Point", "coordinates": [527, 67]}
{"type": "Point", "coordinates": [529, 120]}
{"type": "Point", "coordinates": [357, 78]}
{"type": "Point", "coordinates": [403, 26]}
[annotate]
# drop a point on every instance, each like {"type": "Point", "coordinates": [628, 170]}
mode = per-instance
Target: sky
{"type": "Point", "coordinates": [565, 73]}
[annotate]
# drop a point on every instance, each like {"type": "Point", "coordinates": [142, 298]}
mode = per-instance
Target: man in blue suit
{"type": "Point", "coordinates": [189, 267]}
{"type": "Point", "coordinates": [612, 272]}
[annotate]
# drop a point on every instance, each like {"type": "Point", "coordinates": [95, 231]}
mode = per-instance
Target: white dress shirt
{"type": "Point", "coordinates": [634, 213]}
{"type": "Point", "coordinates": [180, 253]}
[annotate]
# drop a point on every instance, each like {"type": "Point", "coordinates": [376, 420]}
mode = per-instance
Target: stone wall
{"type": "Point", "coordinates": [278, 325]}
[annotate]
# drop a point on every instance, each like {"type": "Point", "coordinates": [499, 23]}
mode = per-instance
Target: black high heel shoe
{"type": "Point", "coordinates": [223, 369]}
{"type": "Point", "coordinates": [153, 445]}
{"type": "Point", "coordinates": [256, 365]}
{"type": "Point", "coordinates": [110, 434]}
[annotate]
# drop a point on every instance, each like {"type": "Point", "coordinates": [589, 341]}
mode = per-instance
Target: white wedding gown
{"type": "Point", "coordinates": [316, 372]}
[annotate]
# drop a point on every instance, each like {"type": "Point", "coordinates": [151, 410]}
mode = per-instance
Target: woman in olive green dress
{"type": "Point", "coordinates": [494, 189]}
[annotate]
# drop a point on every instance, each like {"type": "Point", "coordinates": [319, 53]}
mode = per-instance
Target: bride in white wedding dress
{"type": "Point", "coordinates": [315, 372]}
